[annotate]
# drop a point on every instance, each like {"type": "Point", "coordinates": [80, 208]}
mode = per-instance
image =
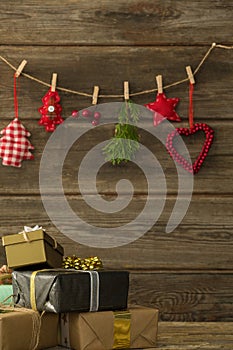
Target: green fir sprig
{"type": "Point", "coordinates": [125, 142]}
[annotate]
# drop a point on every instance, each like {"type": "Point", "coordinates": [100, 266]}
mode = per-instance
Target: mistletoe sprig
{"type": "Point", "coordinates": [125, 142]}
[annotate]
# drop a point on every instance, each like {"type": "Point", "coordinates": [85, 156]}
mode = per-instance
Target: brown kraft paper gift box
{"type": "Point", "coordinates": [23, 329]}
{"type": "Point", "coordinates": [35, 248]}
{"type": "Point", "coordinates": [105, 330]}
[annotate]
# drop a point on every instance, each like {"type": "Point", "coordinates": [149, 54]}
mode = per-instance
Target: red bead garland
{"type": "Point", "coordinates": [86, 113]}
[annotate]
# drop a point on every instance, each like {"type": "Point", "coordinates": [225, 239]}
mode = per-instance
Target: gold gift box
{"type": "Point", "coordinates": [135, 328]}
{"type": "Point", "coordinates": [24, 329]}
{"type": "Point", "coordinates": [32, 248]}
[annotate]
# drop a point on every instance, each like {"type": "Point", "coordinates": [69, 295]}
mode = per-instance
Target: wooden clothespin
{"type": "Point", "coordinates": [190, 74]}
{"type": "Point", "coordinates": [159, 81]}
{"type": "Point", "coordinates": [126, 90]}
{"type": "Point", "coordinates": [20, 68]}
{"type": "Point", "coordinates": [95, 95]}
{"type": "Point", "coordinates": [54, 82]}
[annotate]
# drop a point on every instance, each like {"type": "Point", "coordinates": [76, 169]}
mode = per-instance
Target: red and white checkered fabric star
{"type": "Point", "coordinates": [14, 146]}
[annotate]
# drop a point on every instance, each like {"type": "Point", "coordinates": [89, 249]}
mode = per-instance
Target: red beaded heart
{"type": "Point", "coordinates": [193, 168]}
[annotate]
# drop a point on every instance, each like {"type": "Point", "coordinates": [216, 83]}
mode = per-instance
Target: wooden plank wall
{"type": "Point", "coordinates": [187, 274]}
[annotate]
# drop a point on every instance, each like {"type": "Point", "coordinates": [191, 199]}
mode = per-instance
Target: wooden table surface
{"type": "Point", "coordinates": [193, 336]}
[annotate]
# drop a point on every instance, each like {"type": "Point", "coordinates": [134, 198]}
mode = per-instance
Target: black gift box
{"type": "Point", "coordinates": [70, 290]}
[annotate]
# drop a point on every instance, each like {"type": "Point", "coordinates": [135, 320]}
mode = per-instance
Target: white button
{"type": "Point", "coordinates": [51, 109]}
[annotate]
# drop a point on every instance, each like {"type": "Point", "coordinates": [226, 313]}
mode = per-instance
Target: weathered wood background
{"type": "Point", "coordinates": [187, 274]}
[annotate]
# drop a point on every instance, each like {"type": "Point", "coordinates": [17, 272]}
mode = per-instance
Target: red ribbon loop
{"type": "Point", "coordinates": [15, 98]}
{"type": "Point", "coordinates": [191, 88]}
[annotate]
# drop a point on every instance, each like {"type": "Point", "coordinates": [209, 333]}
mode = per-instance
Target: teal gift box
{"type": "Point", "coordinates": [6, 293]}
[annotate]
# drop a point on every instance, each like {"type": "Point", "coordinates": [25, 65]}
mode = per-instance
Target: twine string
{"type": "Point", "coordinates": [80, 93]}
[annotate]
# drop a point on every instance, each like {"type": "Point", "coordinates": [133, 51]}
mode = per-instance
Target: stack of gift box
{"type": "Point", "coordinates": [77, 309]}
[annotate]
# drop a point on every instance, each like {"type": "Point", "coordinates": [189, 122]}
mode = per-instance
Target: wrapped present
{"type": "Point", "coordinates": [6, 294]}
{"type": "Point", "coordinates": [60, 290]}
{"type": "Point", "coordinates": [22, 329]}
{"type": "Point", "coordinates": [134, 328]}
{"type": "Point", "coordinates": [48, 335]}
{"type": "Point", "coordinates": [33, 248]}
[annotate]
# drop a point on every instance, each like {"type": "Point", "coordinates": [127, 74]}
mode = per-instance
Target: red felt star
{"type": "Point", "coordinates": [165, 107]}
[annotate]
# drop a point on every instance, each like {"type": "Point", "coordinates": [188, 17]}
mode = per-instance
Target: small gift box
{"type": "Point", "coordinates": [60, 290]}
{"type": "Point", "coordinates": [131, 329]}
{"type": "Point", "coordinates": [34, 248]}
{"type": "Point", "coordinates": [22, 329]}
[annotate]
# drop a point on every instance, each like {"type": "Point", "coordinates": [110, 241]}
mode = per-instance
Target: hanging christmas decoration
{"type": "Point", "coordinates": [94, 116]}
{"type": "Point", "coordinates": [194, 167]}
{"type": "Point", "coordinates": [125, 142]}
{"type": "Point", "coordinates": [51, 109]}
{"type": "Point", "coordinates": [14, 146]}
{"type": "Point", "coordinates": [74, 113]}
{"type": "Point", "coordinates": [163, 107]}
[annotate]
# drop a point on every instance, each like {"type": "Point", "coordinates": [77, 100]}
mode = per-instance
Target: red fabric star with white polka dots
{"type": "Point", "coordinates": [165, 107]}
